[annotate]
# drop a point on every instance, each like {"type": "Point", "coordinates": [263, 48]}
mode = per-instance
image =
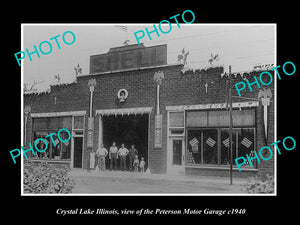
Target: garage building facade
{"type": "Point", "coordinates": [178, 119]}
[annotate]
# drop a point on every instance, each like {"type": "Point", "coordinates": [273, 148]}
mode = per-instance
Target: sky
{"type": "Point", "coordinates": [238, 45]}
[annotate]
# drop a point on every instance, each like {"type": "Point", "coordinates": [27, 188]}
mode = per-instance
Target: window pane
{"type": "Point", "coordinates": [55, 149]}
{"type": "Point", "coordinates": [176, 119]}
{"type": "Point", "coordinates": [220, 118]}
{"type": "Point", "coordinates": [243, 143]}
{"type": "Point", "coordinates": [60, 151]}
{"type": "Point", "coordinates": [193, 152]}
{"type": "Point", "coordinates": [65, 146]}
{"type": "Point", "coordinates": [52, 123]}
{"type": "Point", "coordinates": [39, 123]}
{"type": "Point", "coordinates": [202, 143]}
{"type": "Point", "coordinates": [225, 148]}
{"type": "Point", "coordinates": [196, 118]}
{"type": "Point", "coordinates": [39, 145]}
{"type": "Point", "coordinates": [78, 122]}
{"type": "Point", "coordinates": [210, 138]}
{"type": "Point", "coordinates": [178, 131]}
{"type": "Point", "coordinates": [246, 145]}
{"type": "Point", "coordinates": [245, 117]}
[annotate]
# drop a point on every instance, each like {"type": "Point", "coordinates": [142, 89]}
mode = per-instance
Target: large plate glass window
{"type": "Point", "coordinates": [56, 149]}
{"type": "Point", "coordinates": [208, 136]}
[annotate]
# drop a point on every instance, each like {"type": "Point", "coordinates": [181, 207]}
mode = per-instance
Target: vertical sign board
{"type": "Point", "coordinates": [158, 131]}
{"type": "Point", "coordinates": [90, 123]}
{"type": "Point", "coordinates": [90, 138]}
{"type": "Point", "coordinates": [90, 132]}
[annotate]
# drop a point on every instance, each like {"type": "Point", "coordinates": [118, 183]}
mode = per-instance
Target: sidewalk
{"type": "Point", "coordinates": [124, 182]}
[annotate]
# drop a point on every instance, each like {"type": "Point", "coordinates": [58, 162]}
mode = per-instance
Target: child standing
{"type": "Point", "coordinates": [136, 163]}
{"type": "Point", "coordinates": [142, 165]}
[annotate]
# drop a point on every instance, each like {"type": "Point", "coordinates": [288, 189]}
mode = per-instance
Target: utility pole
{"type": "Point", "coordinates": [230, 124]}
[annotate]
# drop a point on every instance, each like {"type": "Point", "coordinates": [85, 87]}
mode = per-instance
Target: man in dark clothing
{"type": "Point", "coordinates": [132, 153]}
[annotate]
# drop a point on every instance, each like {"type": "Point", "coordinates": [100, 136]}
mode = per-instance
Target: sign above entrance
{"type": "Point", "coordinates": [128, 57]}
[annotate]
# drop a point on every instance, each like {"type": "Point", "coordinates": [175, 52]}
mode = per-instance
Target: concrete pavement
{"type": "Point", "coordinates": [119, 182]}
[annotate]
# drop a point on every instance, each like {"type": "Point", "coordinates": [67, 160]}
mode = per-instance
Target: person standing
{"type": "Point", "coordinates": [136, 164]}
{"type": "Point", "coordinates": [113, 155]}
{"type": "Point", "coordinates": [101, 154]}
{"type": "Point", "coordinates": [142, 165]}
{"type": "Point", "coordinates": [123, 152]}
{"type": "Point", "coordinates": [132, 153]}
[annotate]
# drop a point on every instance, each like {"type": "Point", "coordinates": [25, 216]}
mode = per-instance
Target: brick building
{"type": "Point", "coordinates": [187, 135]}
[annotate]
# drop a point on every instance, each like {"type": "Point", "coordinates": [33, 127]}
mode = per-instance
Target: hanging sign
{"type": "Point", "coordinates": [158, 131]}
{"type": "Point", "coordinates": [91, 123]}
{"type": "Point", "coordinates": [90, 138]}
{"type": "Point", "coordinates": [90, 132]}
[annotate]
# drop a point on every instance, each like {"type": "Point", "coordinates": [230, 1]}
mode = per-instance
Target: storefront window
{"type": "Point", "coordinates": [41, 145]}
{"type": "Point", "coordinates": [203, 145]}
{"type": "Point", "coordinates": [61, 150]}
{"type": "Point", "coordinates": [48, 125]}
{"type": "Point", "coordinates": [208, 137]}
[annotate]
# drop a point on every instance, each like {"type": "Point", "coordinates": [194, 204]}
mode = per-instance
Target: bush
{"type": "Point", "coordinates": [255, 185]}
{"type": "Point", "coordinates": [47, 179]}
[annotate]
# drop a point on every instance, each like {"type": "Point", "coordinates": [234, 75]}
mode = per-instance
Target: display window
{"type": "Point", "coordinates": [207, 137]}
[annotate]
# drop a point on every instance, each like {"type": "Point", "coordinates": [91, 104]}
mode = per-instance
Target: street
{"type": "Point", "coordinates": [118, 182]}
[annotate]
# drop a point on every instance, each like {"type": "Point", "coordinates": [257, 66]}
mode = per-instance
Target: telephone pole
{"type": "Point", "coordinates": [230, 124]}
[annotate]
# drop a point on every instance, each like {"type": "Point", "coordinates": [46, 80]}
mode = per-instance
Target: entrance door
{"type": "Point", "coordinates": [78, 145]}
{"type": "Point", "coordinates": [176, 156]}
{"type": "Point", "coordinates": [127, 130]}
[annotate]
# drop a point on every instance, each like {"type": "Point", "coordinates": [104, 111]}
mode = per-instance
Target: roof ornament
{"type": "Point", "coordinates": [57, 78]}
{"type": "Point", "coordinates": [182, 58]}
{"type": "Point", "coordinates": [78, 70]}
{"type": "Point", "coordinates": [213, 59]}
{"type": "Point", "coordinates": [125, 43]}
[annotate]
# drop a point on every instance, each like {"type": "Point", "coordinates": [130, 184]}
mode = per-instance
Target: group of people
{"type": "Point", "coordinates": [114, 153]}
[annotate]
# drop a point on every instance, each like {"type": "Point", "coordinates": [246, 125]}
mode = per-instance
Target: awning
{"type": "Point", "coordinates": [125, 111]}
{"type": "Point", "coordinates": [213, 106]}
{"type": "Point", "coordinates": [56, 114]}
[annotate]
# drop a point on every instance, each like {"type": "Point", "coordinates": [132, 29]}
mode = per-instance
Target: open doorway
{"type": "Point", "coordinates": [127, 129]}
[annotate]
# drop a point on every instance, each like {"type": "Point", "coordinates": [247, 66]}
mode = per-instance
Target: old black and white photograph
{"type": "Point", "coordinates": [149, 109]}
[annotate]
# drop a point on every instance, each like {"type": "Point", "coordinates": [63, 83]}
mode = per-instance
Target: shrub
{"type": "Point", "coordinates": [255, 185]}
{"type": "Point", "coordinates": [46, 178]}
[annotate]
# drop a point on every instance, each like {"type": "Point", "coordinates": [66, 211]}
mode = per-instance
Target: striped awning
{"type": "Point", "coordinates": [124, 111]}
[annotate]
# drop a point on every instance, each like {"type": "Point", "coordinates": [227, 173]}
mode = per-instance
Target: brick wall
{"type": "Point", "coordinates": [176, 89]}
